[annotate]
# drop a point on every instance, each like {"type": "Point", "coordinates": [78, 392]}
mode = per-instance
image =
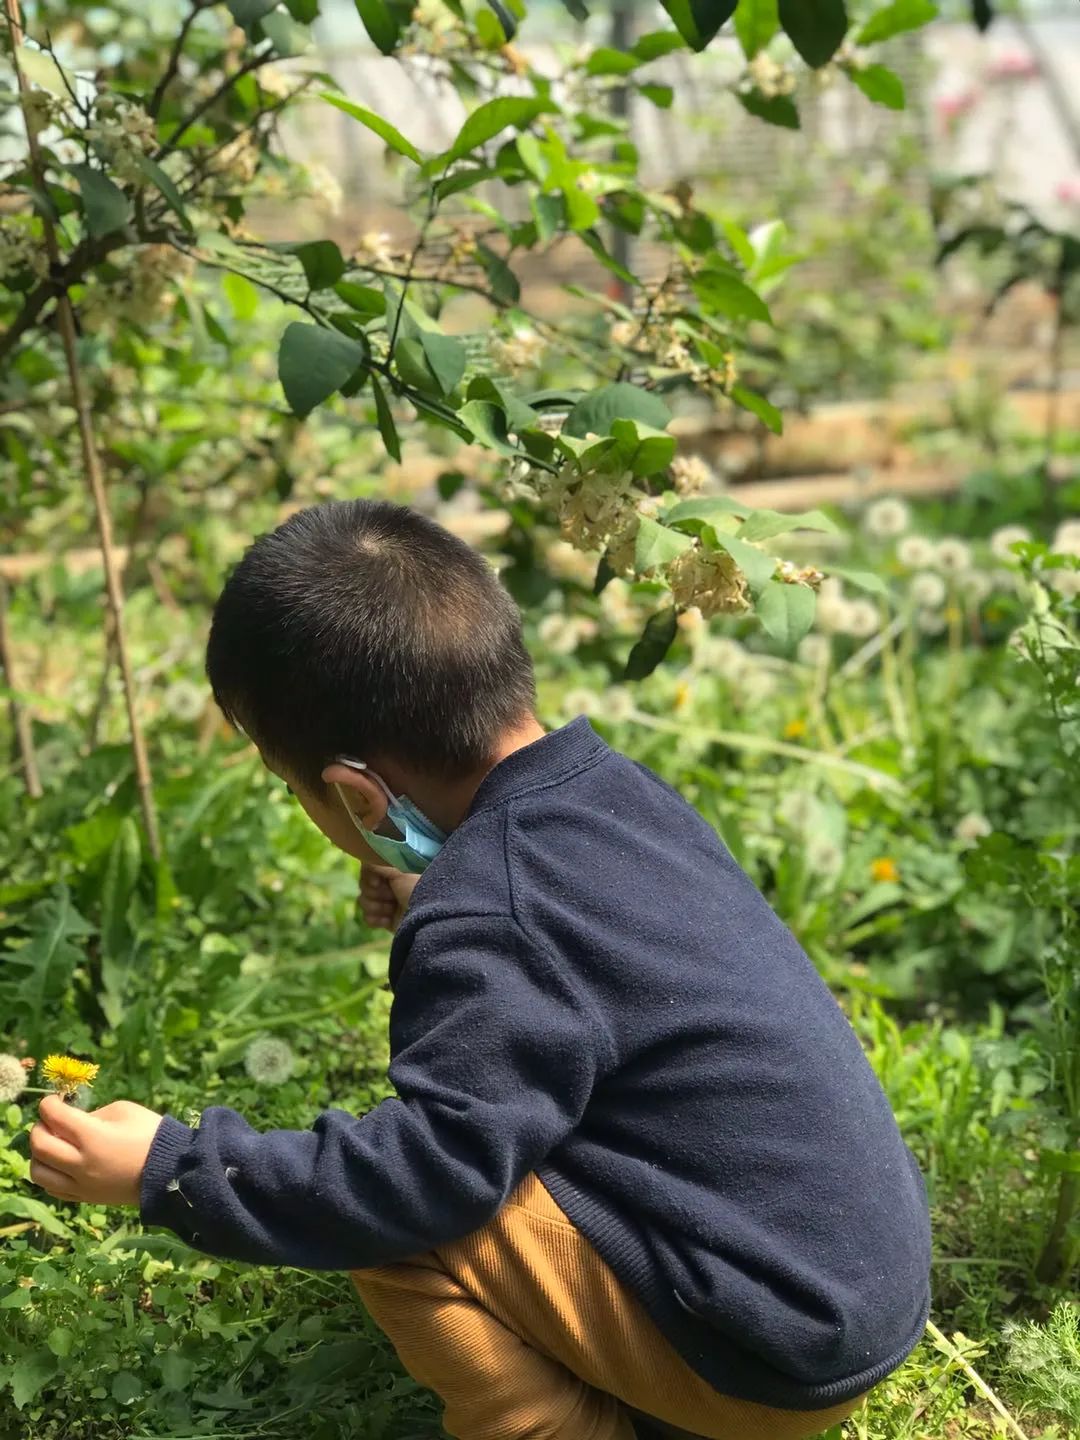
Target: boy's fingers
{"type": "Point", "coordinates": [56, 1182]}
{"type": "Point", "coordinates": [60, 1118]}
{"type": "Point", "coordinates": [50, 1149]}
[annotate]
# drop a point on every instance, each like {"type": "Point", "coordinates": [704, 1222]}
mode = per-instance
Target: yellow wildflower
{"type": "Point", "coordinates": [884, 868]}
{"type": "Point", "coordinates": [794, 729]}
{"type": "Point", "coordinates": [65, 1074]}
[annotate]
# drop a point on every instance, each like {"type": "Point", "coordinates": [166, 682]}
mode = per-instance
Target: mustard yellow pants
{"type": "Point", "coordinates": [524, 1333]}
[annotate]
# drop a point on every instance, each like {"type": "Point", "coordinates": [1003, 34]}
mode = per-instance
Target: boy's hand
{"type": "Point", "coordinates": [384, 895]}
{"type": "Point", "coordinates": [96, 1156]}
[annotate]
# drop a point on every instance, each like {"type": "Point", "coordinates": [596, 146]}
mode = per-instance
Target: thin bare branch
{"type": "Point", "coordinates": [20, 720]}
{"type": "Point", "coordinates": [253, 63]}
{"type": "Point", "coordinates": [173, 63]}
{"type": "Point", "coordinates": [91, 462]}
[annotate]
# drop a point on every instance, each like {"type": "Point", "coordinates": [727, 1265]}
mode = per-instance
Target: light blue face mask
{"type": "Point", "coordinates": [423, 838]}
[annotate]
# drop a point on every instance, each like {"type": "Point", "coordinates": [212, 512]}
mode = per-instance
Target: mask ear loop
{"type": "Point", "coordinates": [361, 766]}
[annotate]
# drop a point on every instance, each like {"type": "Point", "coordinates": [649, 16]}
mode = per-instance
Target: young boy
{"type": "Point", "coordinates": [637, 1173]}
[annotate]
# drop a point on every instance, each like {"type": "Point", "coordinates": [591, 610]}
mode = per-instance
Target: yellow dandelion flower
{"type": "Point", "coordinates": [795, 730]}
{"type": "Point", "coordinates": [65, 1074]}
{"type": "Point", "coordinates": [885, 868]}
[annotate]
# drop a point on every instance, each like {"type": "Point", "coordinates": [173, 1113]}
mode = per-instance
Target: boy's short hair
{"type": "Point", "coordinates": [362, 628]}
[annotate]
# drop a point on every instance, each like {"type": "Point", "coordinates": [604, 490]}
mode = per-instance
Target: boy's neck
{"type": "Point", "coordinates": [447, 802]}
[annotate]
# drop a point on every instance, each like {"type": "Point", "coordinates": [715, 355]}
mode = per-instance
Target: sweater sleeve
{"type": "Point", "coordinates": [495, 1056]}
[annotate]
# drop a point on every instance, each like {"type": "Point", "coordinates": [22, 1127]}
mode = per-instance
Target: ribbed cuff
{"type": "Point", "coordinates": [158, 1205]}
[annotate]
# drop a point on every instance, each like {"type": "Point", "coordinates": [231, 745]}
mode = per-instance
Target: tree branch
{"type": "Point", "coordinates": [253, 63]}
{"type": "Point", "coordinates": [91, 461]}
{"type": "Point", "coordinates": [173, 64]}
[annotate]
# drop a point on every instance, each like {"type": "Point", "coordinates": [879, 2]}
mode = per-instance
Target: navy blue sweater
{"type": "Point", "coordinates": [587, 986]}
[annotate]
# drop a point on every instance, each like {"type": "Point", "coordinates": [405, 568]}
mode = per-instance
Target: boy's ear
{"type": "Point", "coordinates": [359, 792]}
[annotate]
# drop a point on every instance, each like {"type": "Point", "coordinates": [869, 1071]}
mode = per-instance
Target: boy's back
{"type": "Point", "coordinates": [734, 1159]}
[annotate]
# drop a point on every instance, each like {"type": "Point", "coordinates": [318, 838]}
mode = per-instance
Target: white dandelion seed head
{"type": "Point", "coordinates": [928, 589]}
{"type": "Point", "coordinates": [580, 702]}
{"type": "Point", "coordinates": [1065, 582]}
{"type": "Point", "coordinates": [1067, 538]}
{"type": "Point", "coordinates": [617, 704]}
{"type": "Point", "coordinates": [184, 701]}
{"type": "Point", "coordinates": [823, 856]}
{"type": "Point", "coordinates": [971, 828]}
{"type": "Point", "coordinates": [975, 586]}
{"type": "Point", "coordinates": [863, 619]}
{"type": "Point", "coordinates": [886, 519]}
{"type": "Point", "coordinates": [814, 650]}
{"type": "Point", "coordinates": [1002, 541]}
{"type": "Point", "coordinates": [799, 809]}
{"type": "Point", "coordinates": [757, 685]}
{"type": "Point", "coordinates": [952, 556]}
{"type": "Point", "coordinates": [720, 655]}
{"type": "Point", "coordinates": [916, 552]}
{"type": "Point", "coordinates": [269, 1061]}
{"type": "Point", "coordinates": [930, 622]}
{"type": "Point", "coordinates": [12, 1079]}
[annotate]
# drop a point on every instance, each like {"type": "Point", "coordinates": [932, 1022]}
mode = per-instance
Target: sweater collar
{"type": "Point", "coordinates": [550, 758]}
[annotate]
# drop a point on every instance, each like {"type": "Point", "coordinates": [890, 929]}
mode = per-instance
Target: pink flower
{"type": "Point", "coordinates": [1068, 191]}
{"type": "Point", "coordinates": [1013, 65]}
{"type": "Point", "coordinates": [950, 108]}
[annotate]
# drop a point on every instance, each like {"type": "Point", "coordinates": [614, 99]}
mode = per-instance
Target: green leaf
{"type": "Point", "coordinates": [698, 21]}
{"type": "Point", "coordinates": [61, 1341]}
{"type": "Point", "coordinates": [644, 451]}
{"type": "Point", "coordinates": [815, 27]}
{"type": "Point", "coordinates": [727, 295]}
{"type": "Point", "coordinates": [519, 415]}
{"type": "Point", "coordinates": [1060, 1162]}
{"type": "Point", "coordinates": [693, 514]}
{"type": "Point", "coordinates": [764, 524]}
{"type": "Point", "coordinates": [381, 25]}
{"type": "Point", "coordinates": [303, 10]}
{"type": "Point", "coordinates": [662, 96]}
{"type": "Point", "coordinates": [595, 414]}
{"type": "Point", "coordinates": [25, 1207]}
{"type": "Point", "coordinates": [786, 612]}
{"type": "Point", "coordinates": [313, 362]}
{"type": "Point", "coordinates": [490, 120]}
{"type": "Point", "coordinates": [655, 545]}
{"type": "Point", "coordinates": [773, 109]}
{"type": "Point", "coordinates": [861, 579]}
{"type": "Point", "coordinates": [756, 22]}
{"type": "Point", "coordinates": [118, 886]}
{"type": "Point", "coordinates": [895, 19]}
{"type": "Point", "coordinates": [365, 300]}
{"type": "Point", "coordinates": [385, 131]}
{"type": "Point", "coordinates": [606, 61]}
{"type": "Point", "coordinates": [507, 22]}
{"type": "Point", "coordinates": [759, 406]}
{"type": "Point", "coordinates": [385, 420]}
{"type": "Point", "coordinates": [503, 281]}
{"type": "Point", "coordinates": [447, 357]}
{"type": "Point", "coordinates": [104, 204]}
{"type": "Point", "coordinates": [30, 1373]}
{"type": "Point", "coordinates": [414, 367]}
{"type": "Point", "coordinates": [880, 84]}
{"type": "Point", "coordinates": [164, 183]}
{"type": "Point", "coordinates": [657, 44]}
{"type": "Point", "coordinates": [126, 1387]}
{"type": "Point", "coordinates": [175, 1370]}
{"type": "Point", "coordinates": [247, 13]}
{"type": "Point", "coordinates": [43, 70]}
{"type": "Point", "coordinates": [322, 262]}
{"type": "Point", "coordinates": [46, 962]}
{"type": "Point", "coordinates": [287, 37]}
{"type": "Point", "coordinates": [242, 295]}
{"type": "Point", "coordinates": [487, 423]}
{"type": "Point", "coordinates": [577, 9]}
{"type": "Point", "coordinates": [758, 567]}
{"type": "Point", "coordinates": [655, 642]}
